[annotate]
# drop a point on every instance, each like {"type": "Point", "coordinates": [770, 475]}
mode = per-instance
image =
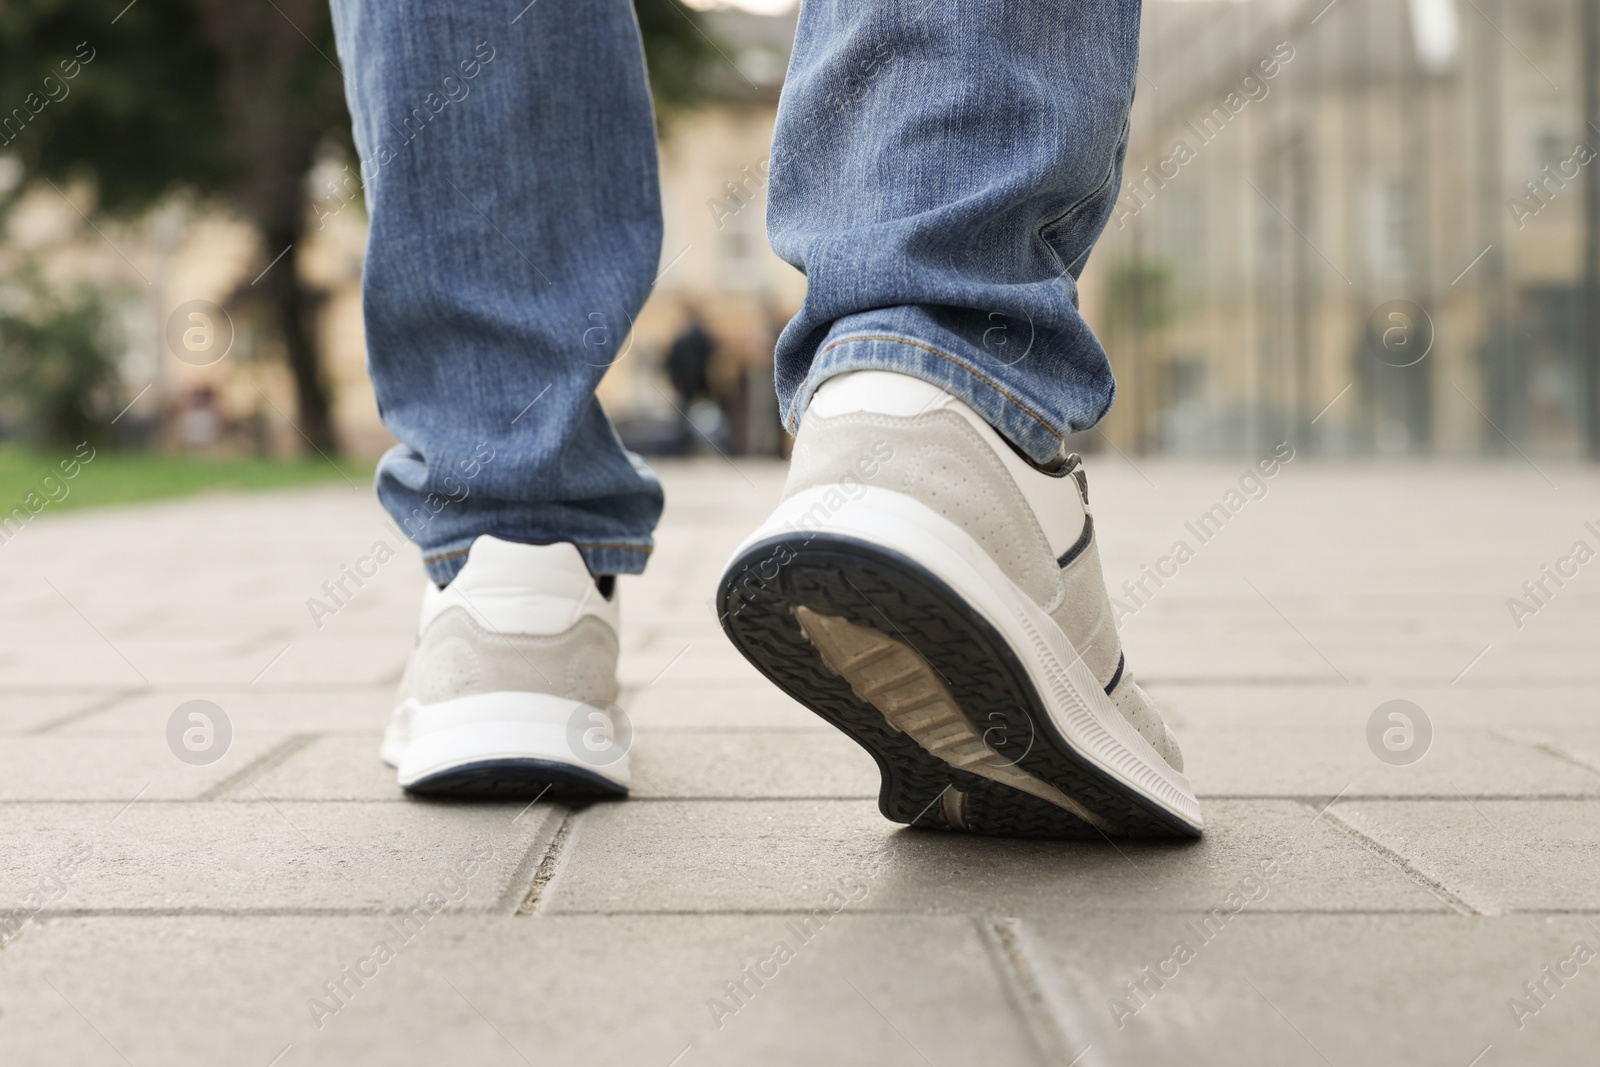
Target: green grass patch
{"type": "Point", "coordinates": [125, 477]}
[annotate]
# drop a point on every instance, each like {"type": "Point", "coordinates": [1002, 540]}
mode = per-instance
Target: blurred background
{"type": "Point", "coordinates": [1368, 226]}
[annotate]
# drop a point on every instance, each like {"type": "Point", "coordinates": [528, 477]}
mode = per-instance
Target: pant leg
{"type": "Point", "coordinates": [509, 167]}
{"type": "Point", "coordinates": [940, 172]}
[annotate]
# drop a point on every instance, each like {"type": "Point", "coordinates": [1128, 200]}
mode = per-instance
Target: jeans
{"type": "Point", "coordinates": [940, 172]}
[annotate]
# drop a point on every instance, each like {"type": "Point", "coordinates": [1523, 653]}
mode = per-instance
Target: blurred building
{"type": "Point", "coordinates": [1316, 194]}
{"type": "Point", "coordinates": [715, 259]}
{"type": "Point", "coordinates": [1309, 186]}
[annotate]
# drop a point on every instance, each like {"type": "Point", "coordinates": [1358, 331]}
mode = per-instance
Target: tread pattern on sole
{"type": "Point", "coordinates": [918, 654]}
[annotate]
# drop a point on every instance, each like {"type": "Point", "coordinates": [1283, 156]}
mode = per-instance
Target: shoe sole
{"type": "Point", "coordinates": [504, 746]}
{"type": "Point", "coordinates": [515, 779]}
{"type": "Point", "coordinates": [884, 648]}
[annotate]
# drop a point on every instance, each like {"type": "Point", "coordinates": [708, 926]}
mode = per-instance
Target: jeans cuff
{"type": "Point", "coordinates": [970, 377]}
{"type": "Point", "coordinates": [444, 562]}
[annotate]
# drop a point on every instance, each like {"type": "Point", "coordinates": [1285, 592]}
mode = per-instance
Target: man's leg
{"type": "Point", "coordinates": [508, 158]}
{"type": "Point", "coordinates": [931, 583]}
{"type": "Point", "coordinates": [510, 171]}
{"type": "Point", "coordinates": [940, 171]}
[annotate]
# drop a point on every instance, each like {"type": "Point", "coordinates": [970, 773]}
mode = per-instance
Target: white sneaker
{"type": "Point", "coordinates": [936, 596]}
{"type": "Point", "coordinates": [510, 688]}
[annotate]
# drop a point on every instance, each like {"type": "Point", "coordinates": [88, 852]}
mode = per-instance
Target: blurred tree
{"type": "Point", "coordinates": [1140, 294]}
{"type": "Point", "coordinates": [58, 361]}
{"type": "Point", "coordinates": [232, 100]}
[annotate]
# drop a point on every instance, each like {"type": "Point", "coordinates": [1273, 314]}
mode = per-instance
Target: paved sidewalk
{"type": "Point", "coordinates": [285, 905]}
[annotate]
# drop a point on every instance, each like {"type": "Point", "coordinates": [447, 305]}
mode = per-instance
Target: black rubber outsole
{"type": "Point", "coordinates": [874, 587]}
{"type": "Point", "coordinates": [516, 779]}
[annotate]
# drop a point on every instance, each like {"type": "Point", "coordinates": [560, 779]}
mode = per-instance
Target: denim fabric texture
{"type": "Point", "coordinates": [940, 173]}
{"type": "Point", "coordinates": [510, 176]}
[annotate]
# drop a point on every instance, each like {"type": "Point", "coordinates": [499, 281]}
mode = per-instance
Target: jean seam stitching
{"type": "Point", "coordinates": [598, 545]}
{"type": "Point", "coordinates": [963, 364]}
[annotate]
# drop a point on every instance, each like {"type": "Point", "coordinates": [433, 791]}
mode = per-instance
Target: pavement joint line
{"type": "Point", "coordinates": [131, 803]}
{"type": "Point", "coordinates": [1550, 746]}
{"type": "Point", "coordinates": [1020, 977]}
{"type": "Point", "coordinates": [518, 817]}
{"type": "Point", "coordinates": [1549, 881]}
{"type": "Point", "coordinates": [106, 702]}
{"type": "Point", "coordinates": [1434, 884]}
{"type": "Point", "coordinates": [549, 865]}
{"type": "Point", "coordinates": [358, 912]}
{"type": "Point", "coordinates": [269, 760]}
{"type": "Point", "coordinates": [1337, 797]}
{"type": "Point", "coordinates": [1311, 799]}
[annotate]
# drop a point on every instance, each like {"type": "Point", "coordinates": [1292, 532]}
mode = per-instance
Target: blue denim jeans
{"type": "Point", "coordinates": [940, 172]}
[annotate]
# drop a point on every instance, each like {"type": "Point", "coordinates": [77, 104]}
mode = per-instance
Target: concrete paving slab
{"type": "Point", "coordinates": [250, 708]}
{"type": "Point", "coordinates": [1247, 704]}
{"type": "Point", "coordinates": [736, 705]}
{"type": "Point", "coordinates": [1501, 855]}
{"type": "Point", "coordinates": [1267, 988]}
{"type": "Point", "coordinates": [23, 711]}
{"type": "Point", "coordinates": [49, 767]}
{"type": "Point", "coordinates": [152, 856]}
{"type": "Point", "coordinates": [1394, 928]}
{"type": "Point", "coordinates": [860, 990]}
{"type": "Point", "coordinates": [1322, 761]}
{"type": "Point", "coordinates": [708, 856]}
